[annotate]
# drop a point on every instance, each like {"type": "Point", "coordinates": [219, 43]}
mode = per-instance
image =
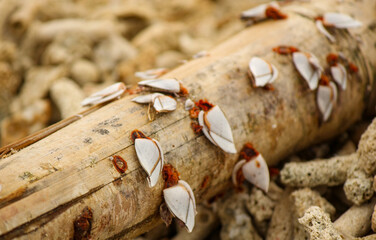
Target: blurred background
{"type": "Point", "coordinates": [54, 53]}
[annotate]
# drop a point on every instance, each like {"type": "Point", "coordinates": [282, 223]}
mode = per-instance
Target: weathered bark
{"type": "Point", "coordinates": [47, 185]}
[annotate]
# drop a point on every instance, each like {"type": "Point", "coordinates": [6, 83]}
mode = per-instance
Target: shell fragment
{"type": "Point", "coordinates": [309, 68]}
{"type": "Point", "coordinates": [262, 72]}
{"type": "Point", "coordinates": [339, 75]}
{"type": "Point", "coordinates": [105, 95]}
{"type": "Point", "coordinates": [181, 203]}
{"type": "Point", "coordinates": [255, 171]}
{"type": "Point", "coordinates": [150, 155]}
{"type": "Point", "coordinates": [217, 129]}
{"type": "Point", "coordinates": [326, 99]}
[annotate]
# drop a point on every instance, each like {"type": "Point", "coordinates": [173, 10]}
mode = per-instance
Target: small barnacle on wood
{"type": "Point", "coordinates": [119, 163]}
{"type": "Point", "coordinates": [82, 224]}
{"type": "Point", "coordinates": [189, 104]}
{"type": "Point", "coordinates": [252, 167]}
{"type": "Point", "coordinates": [170, 175]}
{"type": "Point", "coordinates": [285, 50]}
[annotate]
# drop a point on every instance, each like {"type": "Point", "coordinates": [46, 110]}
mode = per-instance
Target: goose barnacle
{"type": "Point", "coordinates": [149, 153]}
{"type": "Point", "coordinates": [181, 202]}
{"type": "Point", "coordinates": [335, 20]}
{"type": "Point", "coordinates": [263, 11]}
{"type": "Point", "coordinates": [164, 85]}
{"type": "Point", "coordinates": [252, 167]}
{"type": "Point", "coordinates": [217, 129]}
{"type": "Point", "coordinates": [105, 95]}
{"type": "Point", "coordinates": [261, 72]}
{"type": "Point", "coordinates": [309, 68]}
{"type": "Point", "coordinates": [161, 103]}
{"type": "Point", "coordinates": [326, 97]}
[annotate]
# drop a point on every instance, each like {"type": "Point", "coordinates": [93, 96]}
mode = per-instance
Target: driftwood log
{"type": "Point", "coordinates": [46, 186]}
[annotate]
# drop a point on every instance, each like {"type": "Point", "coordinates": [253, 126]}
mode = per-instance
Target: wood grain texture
{"type": "Point", "coordinates": [46, 185]}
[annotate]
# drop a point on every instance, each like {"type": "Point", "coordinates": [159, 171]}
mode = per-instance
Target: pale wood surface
{"type": "Point", "coordinates": [70, 169]}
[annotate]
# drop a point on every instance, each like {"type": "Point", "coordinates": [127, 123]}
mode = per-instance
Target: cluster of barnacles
{"type": "Point", "coordinates": [177, 193]}
{"type": "Point", "coordinates": [324, 80]}
{"type": "Point", "coordinates": [210, 119]}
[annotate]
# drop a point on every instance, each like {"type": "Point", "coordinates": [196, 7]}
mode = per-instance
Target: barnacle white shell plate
{"type": "Point", "coordinates": [167, 85]}
{"type": "Point", "coordinates": [150, 155]}
{"type": "Point", "coordinates": [256, 171]}
{"type": "Point", "coordinates": [339, 75]}
{"type": "Point", "coordinates": [217, 129]}
{"type": "Point", "coordinates": [107, 94]}
{"type": "Point", "coordinates": [262, 71]}
{"type": "Point", "coordinates": [340, 20]}
{"type": "Point", "coordinates": [309, 68]}
{"type": "Point", "coordinates": [181, 202]}
{"type": "Point", "coordinates": [326, 99]}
